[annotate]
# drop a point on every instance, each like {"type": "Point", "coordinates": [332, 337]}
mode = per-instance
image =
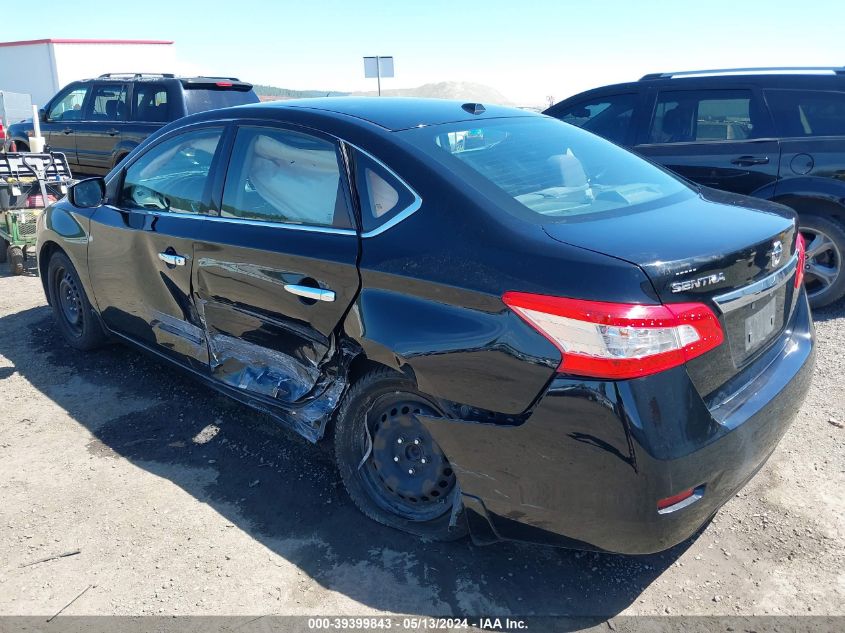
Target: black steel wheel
{"type": "Point", "coordinates": [75, 317]}
{"type": "Point", "coordinates": [391, 466]}
{"type": "Point", "coordinates": [70, 300]}
{"type": "Point", "coordinates": [404, 469]}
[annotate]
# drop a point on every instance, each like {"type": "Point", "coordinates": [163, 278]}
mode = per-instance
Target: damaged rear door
{"type": "Point", "coordinates": [279, 271]}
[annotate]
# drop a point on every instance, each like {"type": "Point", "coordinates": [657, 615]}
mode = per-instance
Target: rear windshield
{"type": "Point", "coordinates": [202, 99]}
{"type": "Point", "coordinates": [550, 168]}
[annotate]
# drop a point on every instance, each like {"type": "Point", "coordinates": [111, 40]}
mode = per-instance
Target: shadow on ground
{"type": "Point", "coordinates": [298, 507]}
{"type": "Point", "coordinates": [835, 310]}
{"type": "Point", "coordinates": [30, 268]}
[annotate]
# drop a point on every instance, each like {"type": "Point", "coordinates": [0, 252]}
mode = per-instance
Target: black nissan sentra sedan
{"type": "Point", "coordinates": [503, 323]}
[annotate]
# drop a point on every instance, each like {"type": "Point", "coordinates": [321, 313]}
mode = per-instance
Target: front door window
{"type": "Point", "coordinates": [609, 116]}
{"type": "Point", "coordinates": [173, 176]}
{"type": "Point", "coordinates": [69, 106]}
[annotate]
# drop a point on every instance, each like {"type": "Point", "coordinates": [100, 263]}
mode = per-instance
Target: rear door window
{"type": "Point", "coordinates": [151, 103]}
{"type": "Point", "coordinates": [686, 116]}
{"type": "Point", "coordinates": [278, 175]}
{"type": "Point", "coordinates": [807, 112]}
{"type": "Point", "coordinates": [108, 103]}
{"type": "Point", "coordinates": [173, 175]}
{"type": "Point", "coordinates": [608, 116]}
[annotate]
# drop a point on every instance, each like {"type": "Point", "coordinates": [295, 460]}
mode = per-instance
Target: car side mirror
{"type": "Point", "coordinates": [42, 115]}
{"type": "Point", "coordinates": [88, 194]}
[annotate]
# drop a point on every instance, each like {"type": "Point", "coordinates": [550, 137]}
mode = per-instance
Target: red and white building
{"type": "Point", "coordinates": [41, 68]}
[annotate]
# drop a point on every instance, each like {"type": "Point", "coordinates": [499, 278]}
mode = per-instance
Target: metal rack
{"type": "Point", "coordinates": [28, 182]}
{"type": "Point", "coordinates": [836, 70]}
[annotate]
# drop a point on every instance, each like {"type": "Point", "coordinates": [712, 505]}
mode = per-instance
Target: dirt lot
{"type": "Point", "coordinates": [182, 502]}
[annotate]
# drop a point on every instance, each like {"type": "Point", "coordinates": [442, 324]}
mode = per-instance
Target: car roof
{"type": "Point", "coordinates": [767, 80]}
{"type": "Point", "coordinates": [400, 113]}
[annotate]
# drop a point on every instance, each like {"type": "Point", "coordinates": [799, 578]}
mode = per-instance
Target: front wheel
{"type": "Point", "coordinates": [823, 273]}
{"type": "Point", "coordinates": [391, 467]}
{"type": "Point", "coordinates": [74, 315]}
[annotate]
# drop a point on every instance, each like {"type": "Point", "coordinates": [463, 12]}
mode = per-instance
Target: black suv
{"type": "Point", "coordinates": [96, 122]}
{"type": "Point", "coordinates": [771, 133]}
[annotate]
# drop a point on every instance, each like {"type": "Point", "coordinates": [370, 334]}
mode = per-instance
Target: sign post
{"type": "Point", "coordinates": [378, 67]}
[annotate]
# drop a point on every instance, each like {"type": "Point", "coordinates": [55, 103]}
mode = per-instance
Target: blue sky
{"type": "Point", "coordinates": [526, 49]}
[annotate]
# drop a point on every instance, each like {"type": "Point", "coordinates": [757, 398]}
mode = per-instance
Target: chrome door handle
{"type": "Point", "coordinates": [309, 292]}
{"type": "Point", "coordinates": [172, 259]}
{"type": "Point", "coordinates": [751, 160]}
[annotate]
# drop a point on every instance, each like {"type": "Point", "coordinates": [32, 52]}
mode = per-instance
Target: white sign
{"type": "Point", "coordinates": [375, 67]}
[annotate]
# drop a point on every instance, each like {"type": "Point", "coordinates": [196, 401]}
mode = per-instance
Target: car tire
{"type": "Point", "coordinates": [15, 260]}
{"type": "Point", "coordinates": [376, 413]}
{"type": "Point", "coordinates": [78, 323]}
{"type": "Point", "coordinates": [828, 235]}
{"type": "Point", "coordinates": [4, 248]}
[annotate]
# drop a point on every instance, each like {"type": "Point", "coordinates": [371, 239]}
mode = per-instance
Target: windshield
{"type": "Point", "coordinates": [202, 99]}
{"type": "Point", "coordinates": [551, 168]}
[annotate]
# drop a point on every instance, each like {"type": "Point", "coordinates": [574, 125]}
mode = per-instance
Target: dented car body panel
{"type": "Point", "coordinates": [281, 314]}
{"type": "Point", "coordinates": [263, 339]}
{"type": "Point", "coordinates": [151, 302]}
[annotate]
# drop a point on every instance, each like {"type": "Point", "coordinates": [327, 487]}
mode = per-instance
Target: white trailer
{"type": "Point", "coordinates": [14, 107]}
{"type": "Point", "coordinates": [41, 68]}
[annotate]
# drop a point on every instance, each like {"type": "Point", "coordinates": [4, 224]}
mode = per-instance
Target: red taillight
{"type": "Point", "coordinates": [670, 501]}
{"type": "Point", "coordinates": [2, 131]}
{"type": "Point", "coordinates": [801, 249]}
{"type": "Point", "coordinates": [619, 340]}
{"type": "Point", "coordinates": [224, 84]}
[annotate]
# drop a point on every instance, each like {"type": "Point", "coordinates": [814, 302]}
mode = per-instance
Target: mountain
{"type": "Point", "coordinates": [287, 93]}
{"type": "Point", "coordinates": [461, 90]}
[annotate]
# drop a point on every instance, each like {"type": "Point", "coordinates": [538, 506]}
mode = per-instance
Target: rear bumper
{"type": "Point", "coordinates": [587, 468]}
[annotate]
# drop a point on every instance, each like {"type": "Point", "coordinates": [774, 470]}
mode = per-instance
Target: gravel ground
{"type": "Point", "coordinates": [182, 502]}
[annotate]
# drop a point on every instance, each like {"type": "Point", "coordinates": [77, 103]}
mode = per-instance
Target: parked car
{"type": "Point", "coordinates": [768, 133]}
{"type": "Point", "coordinates": [538, 334]}
{"type": "Point", "coordinates": [97, 122]}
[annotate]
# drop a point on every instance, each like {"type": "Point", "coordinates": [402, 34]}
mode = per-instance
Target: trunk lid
{"type": "Point", "coordinates": [733, 253]}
